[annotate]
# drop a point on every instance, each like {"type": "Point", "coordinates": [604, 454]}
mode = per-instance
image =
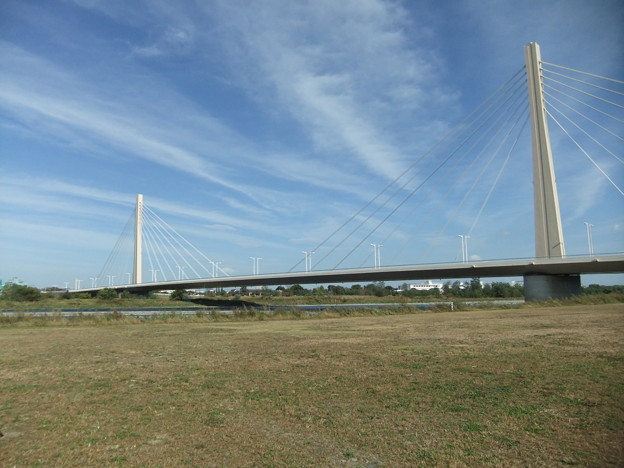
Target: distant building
{"type": "Point", "coordinates": [426, 286]}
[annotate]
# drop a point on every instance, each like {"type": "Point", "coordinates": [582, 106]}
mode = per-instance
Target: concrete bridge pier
{"type": "Point", "coordinates": [538, 287]}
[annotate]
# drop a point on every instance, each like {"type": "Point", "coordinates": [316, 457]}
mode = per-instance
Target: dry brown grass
{"type": "Point", "coordinates": [529, 387]}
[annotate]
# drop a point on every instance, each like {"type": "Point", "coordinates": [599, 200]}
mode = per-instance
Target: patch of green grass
{"type": "Point", "coordinates": [473, 427]}
{"type": "Point", "coordinates": [21, 388]}
{"type": "Point", "coordinates": [535, 429]}
{"type": "Point", "coordinates": [125, 434]}
{"type": "Point", "coordinates": [425, 455]}
{"type": "Point", "coordinates": [214, 418]}
{"type": "Point", "coordinates": [505, 440]}
{"type": "Point", "coordinates": [522, 410]}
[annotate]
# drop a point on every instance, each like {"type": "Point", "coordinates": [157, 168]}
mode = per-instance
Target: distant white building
{"type": "Point", "coordinates": [426, 286]}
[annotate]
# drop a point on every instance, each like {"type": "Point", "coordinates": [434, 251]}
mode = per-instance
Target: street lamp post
{"type": "Point", "coordinates": [377, 254]}
{"type": "Point", "coordinates": [255, 263]}
{"type": "Point", "coordinates": [308, 259]}
{"type": "Point", "coordinates": [464, 247]}
{"type": "Point", "coordinates": [590, 241]}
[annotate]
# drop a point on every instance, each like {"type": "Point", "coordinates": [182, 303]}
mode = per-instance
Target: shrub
{"type": "Point", "coordinates": [107, 294]}
{"type": "Point", "coordinates": [21, 293]}
{"type": "Point", "coordinates": [178, 295]}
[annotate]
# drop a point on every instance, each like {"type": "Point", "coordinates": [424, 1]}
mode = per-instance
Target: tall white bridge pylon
{"type": "Point", "coordinates": [548, 233]}
{"type": "Point", "coordinates": [137, 274]}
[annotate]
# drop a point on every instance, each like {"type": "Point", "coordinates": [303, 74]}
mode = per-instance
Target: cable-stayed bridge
{"type": "Point", "coordinates": [479, 149]}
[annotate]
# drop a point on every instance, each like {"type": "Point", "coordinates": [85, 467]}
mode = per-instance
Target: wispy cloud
{"type": "Point", "coordinates": [561, 28]}
{"type": "Point", "coordinates": [35, 86]}
{"type": "Point", "coordinates": [44, 195]}
{"type": "Point", "coordinates": [345, 73]}
{"type": "Point", "coordinates": [170, 132]}
{"type": "Point", "coordinates": [38, 184]}
{"type": "Point", "coordinates": [54, 236]}
{"type": "Point", "coordinates": [172, 41]}
{"type": "Point", "coordinates": [581, 189]}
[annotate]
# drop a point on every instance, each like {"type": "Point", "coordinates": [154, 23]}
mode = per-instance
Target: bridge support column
{"type": "Point", "coordinates": [548, 233]}
{"type": "Point", "coordinates": [543, 287]}
{"type": "Point", "coordinates": [138, 242]}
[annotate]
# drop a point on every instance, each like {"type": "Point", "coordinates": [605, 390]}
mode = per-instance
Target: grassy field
{"type": "Point", "coordinates": [522, 387]}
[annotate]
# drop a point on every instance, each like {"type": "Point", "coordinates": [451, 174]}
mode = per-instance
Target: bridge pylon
{"type": "Point", "coordinates": [548, 233]}
{"type": "Point", "coordinates": [138, 242]}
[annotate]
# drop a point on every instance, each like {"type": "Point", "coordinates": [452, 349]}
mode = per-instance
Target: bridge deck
{"type": "Point", "coordinates": [483, 269]}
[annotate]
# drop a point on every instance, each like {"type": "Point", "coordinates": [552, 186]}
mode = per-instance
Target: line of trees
{"type": "Point", "coordinates": [474, 289]}
{"type": "Point", "coordinates": [477, 289]}
{"type": "Point", "coordinates": [456, 289]}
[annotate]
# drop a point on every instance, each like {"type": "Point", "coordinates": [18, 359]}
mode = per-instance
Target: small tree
{"type": "Point", "coordinates": [356, 289]}
{"type": "Point", "coordinates": [475, 289]}
{"type": "Point", "coordinates": [107, 294]}
{"type": "Point", "coordinates": [337, 290]}
{"type": "Point", "coordinates": [435, 292]}
{"type": "Point", "coordinates": [297, 290]}
{"type": "Point", "coordinates": [19, 292]}
{"type": "Point", "coordinates": [178, 295]}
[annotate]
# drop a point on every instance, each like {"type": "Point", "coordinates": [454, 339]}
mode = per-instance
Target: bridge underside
{"type": "Point", "coordinates": [530, 269]}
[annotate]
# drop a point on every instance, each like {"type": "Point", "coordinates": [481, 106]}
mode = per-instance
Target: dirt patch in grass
{"type": "Point", "coordinates": [539, 387]}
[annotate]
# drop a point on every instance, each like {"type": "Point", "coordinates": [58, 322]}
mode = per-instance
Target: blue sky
{"type": "Point", "coordinates": [257, 128]}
